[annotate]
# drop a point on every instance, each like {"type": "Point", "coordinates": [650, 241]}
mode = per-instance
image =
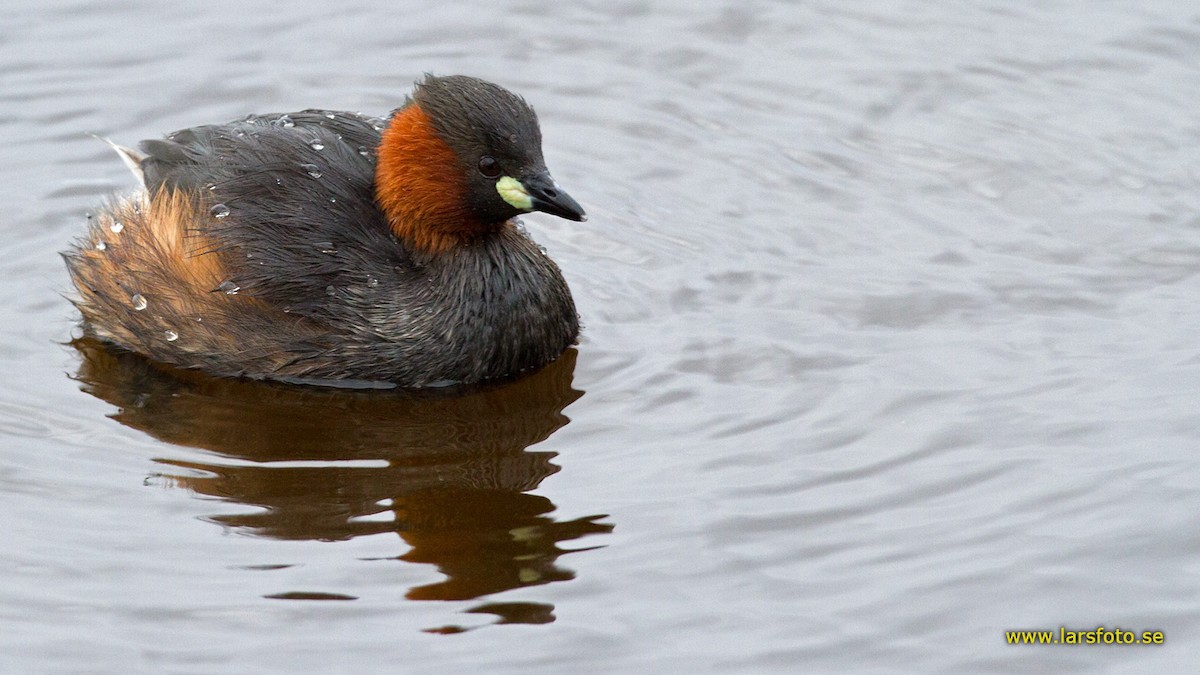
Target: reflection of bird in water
{"type": "Point", "coordinates": [451, 468]}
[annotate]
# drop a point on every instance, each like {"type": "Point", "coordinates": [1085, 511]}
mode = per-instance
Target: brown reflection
{"type": "Point", "coordinates": [448, 472]}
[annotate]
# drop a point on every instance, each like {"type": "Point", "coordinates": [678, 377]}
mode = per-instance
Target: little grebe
{"type": "Point", "coordinates": [330, 246]}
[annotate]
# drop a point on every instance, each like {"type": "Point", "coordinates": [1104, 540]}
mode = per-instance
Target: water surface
{"type": "Point", "coordinates": [890, 316]}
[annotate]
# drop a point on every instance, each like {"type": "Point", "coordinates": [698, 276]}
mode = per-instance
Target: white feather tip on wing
{"type": "Point", "coordinates": [131, 158]}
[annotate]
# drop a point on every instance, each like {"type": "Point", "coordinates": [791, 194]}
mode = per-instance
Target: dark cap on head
{"type": "Point", "coordinates": [496, 138]}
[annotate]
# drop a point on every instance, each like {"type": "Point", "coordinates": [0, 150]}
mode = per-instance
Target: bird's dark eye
{"type": "Point", "coordinates": [489, 167]}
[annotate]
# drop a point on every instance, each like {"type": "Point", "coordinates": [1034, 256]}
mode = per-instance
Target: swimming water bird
{"type": "Point", "coordinates": [331, 247]}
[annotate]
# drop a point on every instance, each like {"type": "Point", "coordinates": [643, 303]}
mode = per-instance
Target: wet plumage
{"type": "Point", "coordinates": [331, 246]}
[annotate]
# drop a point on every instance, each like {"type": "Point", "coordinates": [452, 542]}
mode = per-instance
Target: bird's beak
{"type": "Point", "coordinates": [548, 197]}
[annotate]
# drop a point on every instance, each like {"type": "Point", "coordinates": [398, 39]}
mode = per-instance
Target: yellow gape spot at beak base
{"type": "Point", "coordinates": [514, 193]}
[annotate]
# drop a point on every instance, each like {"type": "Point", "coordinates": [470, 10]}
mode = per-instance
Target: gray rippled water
{"type": "Point", "coordinates": [890, 315]}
